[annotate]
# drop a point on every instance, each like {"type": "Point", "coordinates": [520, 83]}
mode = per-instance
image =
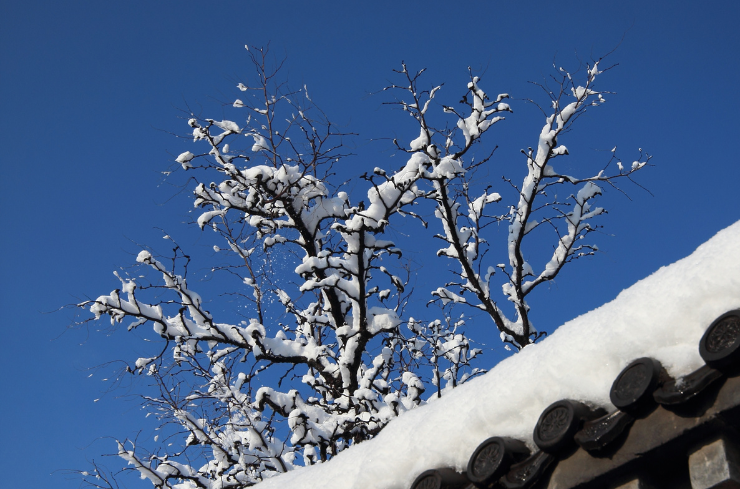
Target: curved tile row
{"type": "Point", "coordinates": [501, 462]}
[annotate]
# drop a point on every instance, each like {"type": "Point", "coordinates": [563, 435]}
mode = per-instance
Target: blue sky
{"type": "Point", "coordinates": [89, 92]}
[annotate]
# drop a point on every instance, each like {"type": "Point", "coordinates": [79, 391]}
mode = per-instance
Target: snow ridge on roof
{"type": "Point", "coordinates": [662, 316]}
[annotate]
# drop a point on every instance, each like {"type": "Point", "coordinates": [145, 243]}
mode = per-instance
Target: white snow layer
{"type": "Point", "coordinates": [662, 316]}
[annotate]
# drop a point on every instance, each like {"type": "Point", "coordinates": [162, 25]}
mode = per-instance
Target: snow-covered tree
{"type": "Point", "coordinates": [327, 354]}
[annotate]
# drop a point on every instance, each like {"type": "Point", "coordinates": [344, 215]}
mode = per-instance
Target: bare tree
{"type": "Point", "coordinates": [335, 323]}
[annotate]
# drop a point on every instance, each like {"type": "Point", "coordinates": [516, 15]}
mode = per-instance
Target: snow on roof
{"type": "Point", "coordinates": [662, 316]}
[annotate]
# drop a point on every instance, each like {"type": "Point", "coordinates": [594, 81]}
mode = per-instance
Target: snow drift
{"type": "Point", "coordinates": [662, 316]}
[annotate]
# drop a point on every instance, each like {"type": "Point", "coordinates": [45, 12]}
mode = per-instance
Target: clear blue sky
{"type": "Point", "coordinates": [89, 91]}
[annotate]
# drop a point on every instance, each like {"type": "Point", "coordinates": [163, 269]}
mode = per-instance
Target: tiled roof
{"type": "Point", "coordinates": [649, 441]}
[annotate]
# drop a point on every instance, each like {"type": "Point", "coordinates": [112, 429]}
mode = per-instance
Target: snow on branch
{"type": "Point", "coordinates": [316, 357]}
{"type": "Point", "coordinates": [463, 216]}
